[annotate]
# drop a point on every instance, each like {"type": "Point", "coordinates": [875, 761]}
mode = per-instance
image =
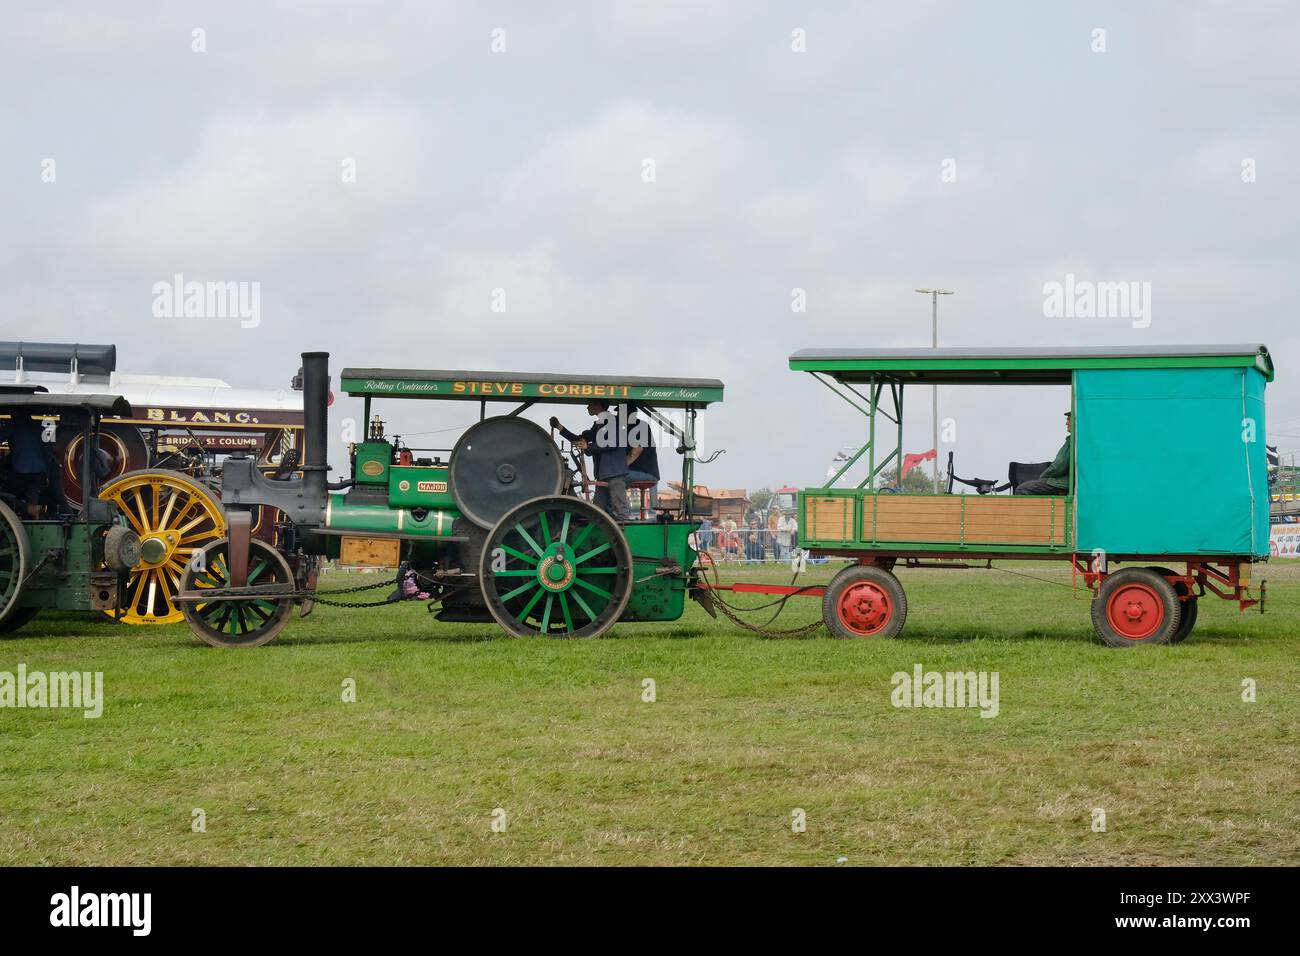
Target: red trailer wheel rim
{"type": "Point", "coordinates": [865, 608]}
{"type": "Point", "coordinates": [1135, 612]}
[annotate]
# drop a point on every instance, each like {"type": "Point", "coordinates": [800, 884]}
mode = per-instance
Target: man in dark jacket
{"type": "Point", "coordinates": [642, 455]}
{"type": "Point", "coordinates": [28, 461]}
{"type": "Point", "coordinates": [606, 442]}
{"type": "Point", "coordinates": [1055, 479]}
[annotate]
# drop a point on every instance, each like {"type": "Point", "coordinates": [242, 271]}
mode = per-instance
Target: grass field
{"type": "Point", "coordinates": [453, 721]}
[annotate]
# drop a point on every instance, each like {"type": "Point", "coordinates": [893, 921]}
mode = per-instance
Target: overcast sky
{"type": "Point", "coordinates": [524, 170]}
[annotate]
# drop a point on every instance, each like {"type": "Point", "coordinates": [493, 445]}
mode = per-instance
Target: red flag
{"type": "Point", "coordinates": [912, 460]}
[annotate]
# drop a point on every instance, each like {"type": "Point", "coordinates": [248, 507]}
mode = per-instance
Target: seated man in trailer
{"type": "Point", "coordinates": [1055, 479]}
{"type": "Point", "coordinates": [606, 443]}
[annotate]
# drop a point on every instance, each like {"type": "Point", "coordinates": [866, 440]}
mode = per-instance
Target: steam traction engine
{"type": "Point", "coordinates": [67, 560]}
{"type": "Point", "coordinates": [156, 461]}
{"type": "Point", "coordinates": [496, 532]}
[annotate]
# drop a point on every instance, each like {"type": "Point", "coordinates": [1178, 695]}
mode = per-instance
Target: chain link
{"type": "Point", "coordinates": [767, 631]}
{"type": "Point", "coordinates": [315, 598]}
{"type": "Point", "coordinates": [730, 613]}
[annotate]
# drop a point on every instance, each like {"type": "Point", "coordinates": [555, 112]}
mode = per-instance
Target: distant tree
{"type": "Point", "coordinates": [759, 500]}
{"type": "Point", "coordinates": [917, 481]}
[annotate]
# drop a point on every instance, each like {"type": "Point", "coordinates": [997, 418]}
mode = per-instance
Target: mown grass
{"type": "Point", "coordinates": [453, 721]}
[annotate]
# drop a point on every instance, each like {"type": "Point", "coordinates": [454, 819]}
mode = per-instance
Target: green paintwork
{"type": "Point", "coordinates": [1011, 365]}
{"type": "Point", "coordinates": [371, 466]}
{"type": "Point", "coordinates": [419, 486]}
{"type": "Point", "coordinates": [659, 598]}
{"type": "Point", "coordinates": [562, 391]}
{"type": "Point", "coordinates": [64, 582]}
{"type": "Point", "coordinates": [1172, 461]}
{"type": "Point", "coordinates": [380, 518]}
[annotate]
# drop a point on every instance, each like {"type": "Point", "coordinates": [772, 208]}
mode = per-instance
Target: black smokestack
{"type": "Point", "coordinates": [315, 401]}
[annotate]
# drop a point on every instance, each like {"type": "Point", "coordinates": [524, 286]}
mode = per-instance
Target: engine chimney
{"type": "Point", "coordinates": [315, 401]}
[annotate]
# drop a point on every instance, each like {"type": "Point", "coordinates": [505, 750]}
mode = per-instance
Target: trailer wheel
{"type": "Point", "coordinates": [864, 601]}
{"type": "Point", "coordinates": [1136, 606]}
{"type": "Point", "coordinates": [558, 567]}
{"type": "Point", "coordinates": [249, 623]}
{"type": "Point", "coordinates": [1187, 608]}
{"type": "Point", "coordinates": [15, 563]}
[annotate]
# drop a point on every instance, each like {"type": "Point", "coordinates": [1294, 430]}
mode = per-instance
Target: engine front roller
{"type": "Point", "coordinates": [247, 616]}
{"type": "Point", "coordinates": [175, 517]}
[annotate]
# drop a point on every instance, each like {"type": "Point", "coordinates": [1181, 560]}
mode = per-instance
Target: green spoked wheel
{"type": "Point", "coordinates": [556, 566]}
{"type": "Point", "coordinates": [238, 623]}
{"type": "Point", "coordinates": [15, 562]}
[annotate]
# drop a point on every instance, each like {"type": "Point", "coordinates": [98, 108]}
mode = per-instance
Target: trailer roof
{"type": "Point", "coordinates": [530, 386]}
{"type": "Point", "coordinates": [59, 403]}
{"type": "Point", "coordinates": [1023, 366]}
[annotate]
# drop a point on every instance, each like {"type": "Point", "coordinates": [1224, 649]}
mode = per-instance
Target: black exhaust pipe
{"type": "Point", "coordinates": [315, 408]}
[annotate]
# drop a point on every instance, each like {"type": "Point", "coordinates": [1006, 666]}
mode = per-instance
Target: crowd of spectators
{"type": "Point", "coordinates": [761, 537]}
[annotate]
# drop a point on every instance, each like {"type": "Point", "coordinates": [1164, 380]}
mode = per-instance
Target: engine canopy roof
{"type": "Point", "coordinates": [1023, 366]}
{"type": "Point", "coordinates": [531, 387]}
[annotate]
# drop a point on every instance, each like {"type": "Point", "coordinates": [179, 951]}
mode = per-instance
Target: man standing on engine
{"type": "Point", "coordinates": [606, 442]}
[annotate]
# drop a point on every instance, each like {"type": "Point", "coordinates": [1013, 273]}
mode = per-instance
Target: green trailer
{"type": "Point", "coordinates": [496, 528]}
{"type": "Point", "coordinates": [1168, 468]}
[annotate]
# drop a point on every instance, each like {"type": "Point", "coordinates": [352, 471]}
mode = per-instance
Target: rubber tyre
{"type": "Point", "coordinates": [1190, 609]}
{"type": "Point", "coordinates": [864, 601]}
{"type": "Point", "coordinates": [1136, 606]}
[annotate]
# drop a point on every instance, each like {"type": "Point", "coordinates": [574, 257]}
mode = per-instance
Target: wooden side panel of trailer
{"type": "Point", "coordinates": [836, 518]}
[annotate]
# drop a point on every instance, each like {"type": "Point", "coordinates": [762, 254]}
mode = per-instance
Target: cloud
{"type": "Point", "coordinates": [773, 170]}
{"type": "Point", "coordinates": [259, 190]}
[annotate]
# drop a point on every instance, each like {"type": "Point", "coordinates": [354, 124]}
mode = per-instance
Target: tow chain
{"type": "Point", "coordinates": [255, 593]}
{"type": "Point", "coordinates": [765, 631]}
{"type": "Point", "coordinates": [424, 582]}
{"type": "Point", "coordinates": [730, 613]}
{"type": "Point", "coordinates": [315, 597]}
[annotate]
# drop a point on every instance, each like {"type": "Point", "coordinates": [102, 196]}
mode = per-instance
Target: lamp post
{"type": "Point", "coordinates": [934, 389]}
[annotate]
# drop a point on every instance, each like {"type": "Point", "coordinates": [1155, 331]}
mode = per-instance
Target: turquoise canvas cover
{"type": "Point", "coordinates": [1163, 464]}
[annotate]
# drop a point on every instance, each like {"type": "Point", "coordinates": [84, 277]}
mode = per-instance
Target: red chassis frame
{"type": "Point", "coordinates": [1202, 576]}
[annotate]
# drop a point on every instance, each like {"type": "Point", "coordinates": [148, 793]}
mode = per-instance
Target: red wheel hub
{"type": "Point", "coordinates": [865, 608]}
{"type": "Point", "coordinates": [1135, 611]}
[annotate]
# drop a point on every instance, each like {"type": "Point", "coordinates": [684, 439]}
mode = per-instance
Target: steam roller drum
{"type": "Point", "coordinates": [500, 463]}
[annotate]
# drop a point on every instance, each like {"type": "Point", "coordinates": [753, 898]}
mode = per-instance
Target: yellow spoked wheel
{"type": "Point", "coordinates": [174, 516]}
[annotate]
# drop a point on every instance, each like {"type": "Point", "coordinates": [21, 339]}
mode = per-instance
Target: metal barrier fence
{"type": "Point", "coordinates": [747, 545]}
